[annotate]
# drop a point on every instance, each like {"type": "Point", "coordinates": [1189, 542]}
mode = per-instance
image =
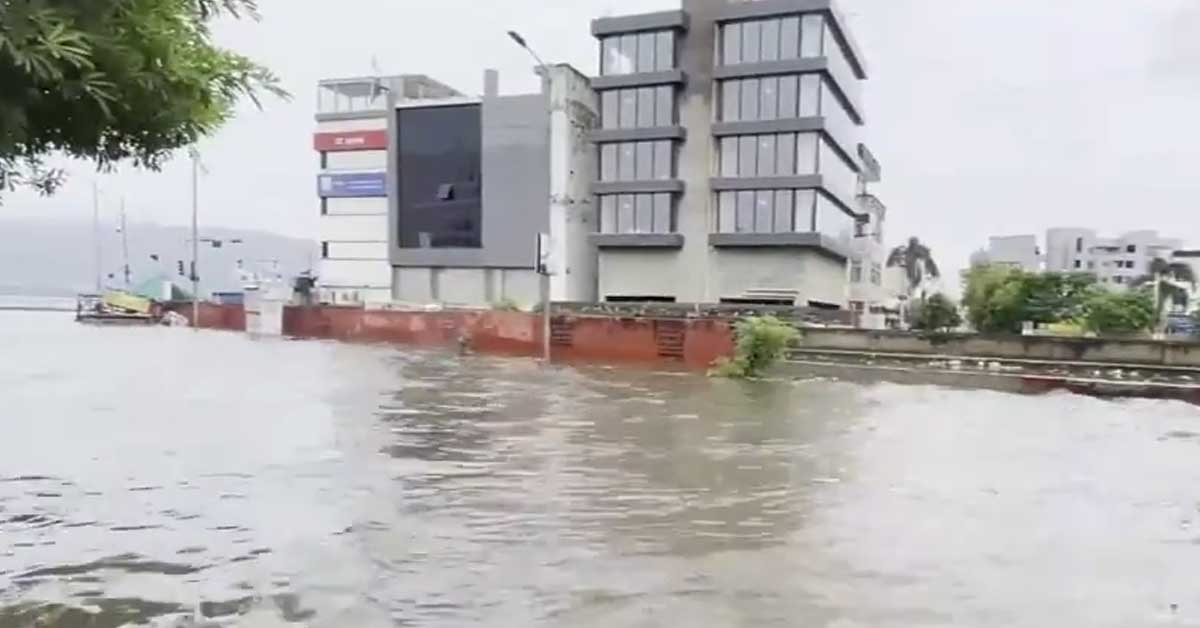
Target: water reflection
{"type": "Point", "coordinates": [266, 483]}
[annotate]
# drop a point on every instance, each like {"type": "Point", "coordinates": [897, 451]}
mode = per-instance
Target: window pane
{"type": "Point", "coordinates": [751, 42]}
{"type": "Point", "coordinates": [628, 54]}
{"type": "Point", "coordinates": [625, 213]}
{"type": "Point", "coordinates": [770, 40]}
{"type": "Point", "coordinates": [732, 44]}
{"type": "Point", "coordinates": [645, 213]}
{"type": "Point", "coordinates": [839, 176]}
{"type": "Point", "coordinates": [766, 155]}
{"type": "Point", "coordinates": [625, 161]}
{"type": "Point", "coordinates": [645, 106]}
{"type": "Point", "coordinates": [745, 212]}
{"type": "Point", "coordinates": [662, 213]}
{"type": "Point", "coordinates": [645, 161]}
{"type": "Point", "coordinates": [811, 34]}
{"type": "Point", "coordinates": [645, 58]}
{"type": "Point", "coordinates": [750, 99]}
{"type": "Point", "coordinates": [806, 153]}
{"type": "Point", "coordinates": [804, 210]}
{"type": "Point", "coordinates": [664, 55]}
{"type": "Point", "coordinates": [612, 55]}
{"type": "Point", "coordinates": [628, 108]}
{"type": "Point", "coordinates": [785, 204]}
{"type": "Point", "coordinates": [664, 106]}
{"type": "Point", "coordinates": [789, 38]}
{"type": "Point", "coordinates": [610, 110]}
{"type": "Point", "coordinates": [833, 221]}
{"type": "Point", "coordinates": [608, 214]}
{"type": "Point", "coordinates": [608, 162]}
{"type": "Point", "coordinates": [810, 95]}
{"type": "Point", "coordinates": [787, 154]}
{"type": "Point", "coordinates": [769, 98]}
{"type": "Point", "coordinates": [731, 105]}
{"type": "Point", "coordinates": [662, 160]}
{"type": "Point", "coordinates": [764, 211]}
{"type": "Point", "coordinates": [787, 97]}
{"type": "Point", "coordinates": [727, 212]}
{"type": "Point", "coordinates": [729, 160]}
{"type": "Point", "coordinates": [747, 156]}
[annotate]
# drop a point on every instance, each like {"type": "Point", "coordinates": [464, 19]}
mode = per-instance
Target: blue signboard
{"type": "Point", "coordinates": [356, 185]}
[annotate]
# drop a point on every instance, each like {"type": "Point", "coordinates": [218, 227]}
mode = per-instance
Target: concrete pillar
{"type": "Point", "coordinates": [696, 113]}
{"type": "Point", "coordinates": [491, 83]}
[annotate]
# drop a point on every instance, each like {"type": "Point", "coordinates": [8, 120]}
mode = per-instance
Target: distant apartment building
{"type": "Point", "coordinates": [1116, 262]}
{"type": "Point", "coordinates": [431, 196]}
{"type": "Point", "coordinates": [728, 153]}
{"type": "Point", "coordinates": [352, 142]}
{"type": "Point", "coordinates": [1018, 251]}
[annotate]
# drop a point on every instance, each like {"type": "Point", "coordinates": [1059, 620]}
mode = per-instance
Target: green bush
{"type": "Point", "coordinates": [937, 313]}
{"type": "Point", "coordinates": [1119, 313]}
{"type": "Point", "coordinates": [1000, 299]}
{"type": "Point", "coordinates": [506, 305]}
{"type": "Point", "coordinates": [761, 341]}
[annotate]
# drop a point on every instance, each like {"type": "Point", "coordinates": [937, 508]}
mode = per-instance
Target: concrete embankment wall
{"type": "Point", "coordinates": [1100, 350]}
{"type": "Point", "coordinates": [694, 343]}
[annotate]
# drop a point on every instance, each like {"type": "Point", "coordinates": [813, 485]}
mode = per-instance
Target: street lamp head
{"type": "Point", "coordinates": [515, 36]}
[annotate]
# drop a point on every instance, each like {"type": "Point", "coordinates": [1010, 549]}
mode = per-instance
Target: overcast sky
{"type": "Point", "coordinates": [990, 117]}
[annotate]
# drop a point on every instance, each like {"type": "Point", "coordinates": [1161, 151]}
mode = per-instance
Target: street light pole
{"type": "Point", "coordinates": [96, 237]}
{"type": "Point", "coordinates": [543, 268]}
{"type": "Point", "coordinates": [195, 275]}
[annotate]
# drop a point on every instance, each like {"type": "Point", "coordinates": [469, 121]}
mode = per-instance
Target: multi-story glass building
{"type": "Point", "coordinates": [728, 153]}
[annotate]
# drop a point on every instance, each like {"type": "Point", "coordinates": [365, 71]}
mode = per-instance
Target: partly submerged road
{"type": "Point", "coordinates": [148, 471]}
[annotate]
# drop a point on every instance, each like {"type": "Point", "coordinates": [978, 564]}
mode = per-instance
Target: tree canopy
{"type": "Point", "coordinates": [1173, 280]}
{"type": "Point", "coordinates": [917, 261]}
{"type": "Point", "coordinates": [109, 80]}
{"type": "Point", "coordinates": [1000, 299]}
{"type": "Point", "coordinates": [937, 313]}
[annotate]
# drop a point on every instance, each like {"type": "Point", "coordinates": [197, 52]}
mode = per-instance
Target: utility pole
{"type": "Point", "coordinates": [125, 247]}
{"type": "Point", "coordinates": [98, 263]}
{"type": "Point", "coordinates": [544, 244]}
{"type": "Point", "coordinates": [195, 271]}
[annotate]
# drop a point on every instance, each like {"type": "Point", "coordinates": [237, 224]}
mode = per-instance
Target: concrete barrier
{"type": "Point", "coordinates": [1098, 350]}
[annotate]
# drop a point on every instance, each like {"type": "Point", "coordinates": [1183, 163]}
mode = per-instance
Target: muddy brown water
{"type": "Point", "coordinates": [147, 474]}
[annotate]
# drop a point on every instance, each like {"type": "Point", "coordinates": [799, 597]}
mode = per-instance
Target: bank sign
{"type": "Point", "coordinates": [357, 185]}
{"type": "Point", "coordinates": [350, 140]}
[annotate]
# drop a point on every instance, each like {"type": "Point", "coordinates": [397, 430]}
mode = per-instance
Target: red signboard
{"type": "Point", "coordinates": [351, 140]}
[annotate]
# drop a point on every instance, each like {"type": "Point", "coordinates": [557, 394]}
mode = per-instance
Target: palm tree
{"type": "Point", "coordinates": [1170, 280]}
{"type": "Point", "coordinates": [917, 261]}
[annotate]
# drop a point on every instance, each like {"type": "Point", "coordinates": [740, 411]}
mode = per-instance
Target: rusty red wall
{"type": "Point", "coordinates": [694, 343]}
{"type": "Point", "coordinates": [213, 316]}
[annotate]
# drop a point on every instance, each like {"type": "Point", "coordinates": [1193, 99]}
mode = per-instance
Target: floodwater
{"type": "Point", "coordinates": [150, 474]}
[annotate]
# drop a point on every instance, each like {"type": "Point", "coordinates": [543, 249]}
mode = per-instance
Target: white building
{"type": "Point", "coordinates": [874, 291]}
{"type": "Point", "coordinates": [1017, 251]}
{"type": "Point", "coordinates": [352, 141]}
{"type": "Point", "coordinates": [1116, 262]}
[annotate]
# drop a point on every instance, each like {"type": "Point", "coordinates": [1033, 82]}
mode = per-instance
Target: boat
{"type": "Point", "coordinates": [116, 308]}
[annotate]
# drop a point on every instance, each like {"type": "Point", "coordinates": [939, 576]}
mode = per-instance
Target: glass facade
{"type": "Point", "coordinates": [839, 176]}
{"type": "Point", "coordinates": [773, 39]}
{"type": "Point", "coordinates": [781, 154]}
{"type": "Point", "coordinates": [637, 108]}
{"type": "Point", "coordinates": [637, 213]}
{"type": "Point", "coordinates": [771, 98]}
{"type": "Point", "coordinates": [652, 51]}
{"type": "Point", "coordinates": [765, 211]}
{"type": "Point", "coordinates": [637, 161]}
{"type": "Point", "coordinates": [832, 221]}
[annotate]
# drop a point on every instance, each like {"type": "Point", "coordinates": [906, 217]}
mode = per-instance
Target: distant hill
{"type": "Point", "coordinates": [46, 258]}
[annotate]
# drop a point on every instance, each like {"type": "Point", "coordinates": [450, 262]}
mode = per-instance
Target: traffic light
{"type": "Point", "coordinates": [179, 265]}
